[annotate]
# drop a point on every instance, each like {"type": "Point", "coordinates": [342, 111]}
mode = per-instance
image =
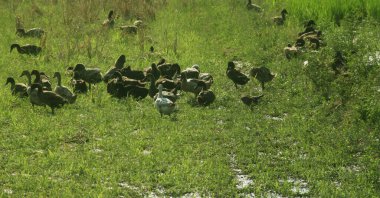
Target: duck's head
{"type": "Point", "coordinates": [310, 23]}
{"type": "Point", "coordinates": [57, 75]}
{"type": "Point", "coordinates": [254, 71]}
{"type": "Point", "coordinates": [196, 66]}
{"type": "Point", "coordinates": [25, 73]}
{"type": "Point", "coordinates": [231, 65]}
{"type": "Point", "coordinates": [79, 67]}
{"type": "Point", "coordinates": [35, 72]}
{"type": "Point", "coordinates": [120, 61]}
{"type": "Point", "coordinates": [284, 11]}
{"type": "Point", "coordinates": [110, 15]}
{"type": "Point", "coordinates": [10, 80]}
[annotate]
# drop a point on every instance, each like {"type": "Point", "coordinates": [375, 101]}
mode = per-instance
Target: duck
{"type": "Point", "coordinates": [166, 83]}
{"type": "Point", "coordinates": [29, 77]}
{"type": "Point", "coordinates": [313, 37]}
{"type": "Point", "coordinates": [41, 79]}
{"type": "Point", "coordinates": [171, 95]}
{"type": "Point", "coordinates": [339, 62]}
{"type": "Point", "coordinates": [110, 21]}
{"type": "Point", "coordinates": [164, 105]}
{"type": "Point", "coordinates": [138, 23]}
{"type": "Point", "coordinates": [34, 32]}
{"type": "Point", "coordinates": [236, 76]}
{"type": "Point", "coordinates": [119, 64]}
{"type": "Point", "coordinates": [127, 81]}
{"type": "Point", "coordinates": [118, 89]}
{"type": "Point", "coordinates": [207, 78]}
{"type": "Point", "coordinates": [191, 72]}
{"type": "Point", "coordinates": [152, 70]}
{"type": "Point", "coordinates": [27, 49]}
{"type": "Point", "coordinates": [133, 74]}
{"type": "Point", "coordinates": [79, 86]}
{"type": "Point", "coordinates": [192, 85]}
{"type": "Point", "coordinates": [89, 75]}
{"type": "Point", "coordinates": [309, 27]}
{"type": "Point", "coordinates": [290, 51]}
{"type": "Point", "coordinates": [137, 92]}
{"type": "Point", "coordinates": [251, 6]}
{"type": "Point", "coordinates": [279, 20]}
{"type": "Point", "coordinates": [63, 91]}
{"type": "Point", "coordinates": [169, 70]}
{"type": "Point", "coordinates": [262, 74]}
{"type": "Point", "coordinates": [129, 29]}
{"type": "Point", "coordinates": [18, 89]}
{"type": "Point", "coordinates": [49, 98]}
{"type": "Point", "coordinates": [33, 94]}
{"type": "Point", "coordinates": [205, 97]}
{"type": "Point", "coordinates": [250, 100]}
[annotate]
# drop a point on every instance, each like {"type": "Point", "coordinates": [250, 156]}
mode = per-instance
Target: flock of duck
{"type": "Point", "coordinates": [165, 79]}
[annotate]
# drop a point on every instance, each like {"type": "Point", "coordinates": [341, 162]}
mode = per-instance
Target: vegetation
{"type": "Point", "coordinates": [313, 133]}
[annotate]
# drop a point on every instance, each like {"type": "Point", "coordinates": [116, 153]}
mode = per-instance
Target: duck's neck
{"type": "Point", "coordinates": [283, 15]}
{"type": "Point", "coordinates": [29, 79]}
{"type": "Point", "coordinates": [38, 78]}
{"type": "Point", "coordinates": [59, 80]}
{"type": "Point", "coordinates": [160, 92]}
{"type": "Point", "coordinates": [12, 85]}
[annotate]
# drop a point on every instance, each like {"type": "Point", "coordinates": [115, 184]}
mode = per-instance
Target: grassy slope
{"type": "Point", "coordinates": [90, 148]}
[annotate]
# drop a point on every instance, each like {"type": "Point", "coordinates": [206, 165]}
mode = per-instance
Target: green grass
{"type": "Point", "coordinates": [310, 125]}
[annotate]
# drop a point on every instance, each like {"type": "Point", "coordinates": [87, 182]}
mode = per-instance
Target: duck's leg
{"type": "Point", "coordinates": [262, 85]}
{"type": "Point", "coordinates": [236, 86]}
{"type": "Point", "coordinates": [52, 110]}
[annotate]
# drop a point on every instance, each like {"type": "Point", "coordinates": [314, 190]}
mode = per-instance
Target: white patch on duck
{"type": "Point", "coordinates": [164, 105]}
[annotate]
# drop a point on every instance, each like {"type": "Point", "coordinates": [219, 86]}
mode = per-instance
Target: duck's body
{"type": "Point", "coordinates": [192, 85]}
{"type": "Point", "coordinates": [110, 21]}
{"type": "Point", "coordinates": [133, 74]}
{"type": "Point", "coordinates": [279, 20]}
{"type": "Point", "coordinates": [290, 51]}
{"type": "Point", "coordinates": [250, 100]}
{"type": "Point", "coordinates": [26, 49]}
{"type": "Point", "coordinates": [42, 79]}
{"type": "Point", "coordinates": [89, 75]}
{"type": "Point", "coordinates": [119, 64]}
{"type": "Point", "coordinates": [206, 97]}
{"type": "Point", "coordinates": [49, 98]}
{"type": "Point", "coordinates": [34, 32]}
{"type": "Point", "coordinates": [164, 105]}
{"type": "Point", "coordinates": [33, 93]}
{"type": "Point", "coordinates": [169, 70]}
{"type": "Point", "coordinates": [18, 89]}
{"type": "Point", "coordinates": [339, 62]}
{"type": "Point", "coordinates": [262, 74]}
{"type": "Point", "coordinates": [251, 6]}
{"type": "Point", "coordinates": [236, 76]}
{"type": "Point", "coordinates": [63, 91]}
{"type": "Point", "coordinates": [191, 72]}
{"type": "Point", "coordinates": [129, 29]}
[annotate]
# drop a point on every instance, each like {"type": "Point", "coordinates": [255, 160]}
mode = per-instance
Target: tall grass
{"type": "Point", "coordinates": [332, 10]}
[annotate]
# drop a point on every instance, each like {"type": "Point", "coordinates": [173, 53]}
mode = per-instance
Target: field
{"type": "Point", "coordinates": [314, 133]}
